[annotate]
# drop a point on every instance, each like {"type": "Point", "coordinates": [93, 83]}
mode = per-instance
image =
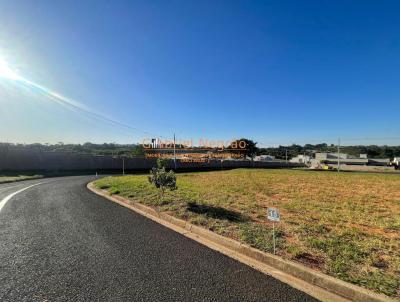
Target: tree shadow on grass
{"type": "Point", "coordinates": [216, 212]}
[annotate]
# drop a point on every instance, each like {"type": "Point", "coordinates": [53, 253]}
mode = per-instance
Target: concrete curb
{"type": "Point", "coordinates": [316, 284]}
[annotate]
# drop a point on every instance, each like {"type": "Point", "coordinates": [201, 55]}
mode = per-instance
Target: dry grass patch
{"type": "Point", "coordinates": [6, 179]}
{"type": "Point", "coordinates": [344, 224]}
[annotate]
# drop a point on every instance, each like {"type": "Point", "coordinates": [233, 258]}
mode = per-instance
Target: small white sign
{"type": "Point", "coordinates": [273, 214]}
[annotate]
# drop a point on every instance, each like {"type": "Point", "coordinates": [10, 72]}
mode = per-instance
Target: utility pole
{"type": "Point", "coordinates": [286, 157]}
{"type": "Point", "coordinates": [273, 236]}
{"type": "Point", "coordinates": [174, 152]}
{"type": "Point", "coordinates": [123, 165]}
{"type": "Point", "coordinates": [338, 157]}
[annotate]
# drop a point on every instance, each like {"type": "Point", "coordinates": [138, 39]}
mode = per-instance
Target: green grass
{"type": "Point", "coordinates": [344, 224]}
{"type": "Point", "coordinates": [5, 179]}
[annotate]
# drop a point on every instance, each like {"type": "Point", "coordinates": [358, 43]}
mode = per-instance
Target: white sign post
{"type": "Point", "coordinates": [273, 215]}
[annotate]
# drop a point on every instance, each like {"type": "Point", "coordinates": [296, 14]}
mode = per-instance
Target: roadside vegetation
{"type": "Point", "coordinates": [5, 179]}
{"type": "Point", "coordinates": [344, 224]}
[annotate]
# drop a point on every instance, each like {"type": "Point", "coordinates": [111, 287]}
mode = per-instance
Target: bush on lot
{"type": "Point", "coordinates": [161, 178]}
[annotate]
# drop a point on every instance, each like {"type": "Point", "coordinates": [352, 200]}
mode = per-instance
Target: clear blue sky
{"type": "Point", "coordinates": [275, 71]}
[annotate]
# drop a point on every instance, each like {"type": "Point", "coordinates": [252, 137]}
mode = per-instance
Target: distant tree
{"type": "Point", "coordinates": [138, 150]}
{"type": "Point", "coordinates": [250, 148]}
{"type": "Point", "coordinates": [162, 179]}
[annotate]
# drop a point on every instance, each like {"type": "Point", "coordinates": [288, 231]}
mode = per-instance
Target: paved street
{"type": "Point", "coordinates": [60, 242]}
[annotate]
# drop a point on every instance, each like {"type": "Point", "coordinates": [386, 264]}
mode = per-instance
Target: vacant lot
{"type": "Point", "coordinates": [344, 224]}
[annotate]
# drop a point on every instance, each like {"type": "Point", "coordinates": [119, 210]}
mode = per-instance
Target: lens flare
{"type": "Point", "coordinates": [7, 72]}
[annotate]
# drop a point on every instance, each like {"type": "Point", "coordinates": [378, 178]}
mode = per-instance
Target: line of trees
{"type": "Point", "coordinates": [373, 151]}
{"type": "Point", "coordinates": [112, 149]}
{"type": "Point", "coordinates": [133, 150]}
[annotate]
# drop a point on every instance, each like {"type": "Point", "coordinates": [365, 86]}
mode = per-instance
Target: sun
{"type": "Point", "coordinates": [7, 72]}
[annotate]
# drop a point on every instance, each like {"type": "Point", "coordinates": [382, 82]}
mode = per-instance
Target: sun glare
{"type": "Point", "coordinates": [7, 72]}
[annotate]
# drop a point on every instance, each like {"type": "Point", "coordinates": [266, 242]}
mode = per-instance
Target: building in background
{"type": "Point", "coordinates": [301, 159]}
{"type": "Point", "coordinates": [350, 163]}
{"type": "Point", "coordinates": [264, 158]}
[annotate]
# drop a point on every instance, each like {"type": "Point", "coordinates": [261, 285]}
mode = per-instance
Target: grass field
{"type": "Point", "coordinates": [4, 179]}
{"type": "Point", "coordinates": [344, 224]}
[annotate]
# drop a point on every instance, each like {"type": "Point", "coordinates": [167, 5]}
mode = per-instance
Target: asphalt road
{"type": "Point", "coordinates": [60, 242]}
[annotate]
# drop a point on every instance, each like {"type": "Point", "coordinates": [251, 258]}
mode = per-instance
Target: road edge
{"type": "Point", "coordinates": [316, 284]}
{"type": "Point", "coordinates": [4, 201]}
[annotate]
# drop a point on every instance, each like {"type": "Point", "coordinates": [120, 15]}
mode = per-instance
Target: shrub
{"type": "Point", "coordinates": [161, 178]}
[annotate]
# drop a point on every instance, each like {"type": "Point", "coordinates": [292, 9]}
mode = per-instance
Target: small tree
{"type": "Point", "coordinates": [161, 178]}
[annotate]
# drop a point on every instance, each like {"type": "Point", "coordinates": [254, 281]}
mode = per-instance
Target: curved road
{"type": "Point", "coordinates": [60, 242]}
